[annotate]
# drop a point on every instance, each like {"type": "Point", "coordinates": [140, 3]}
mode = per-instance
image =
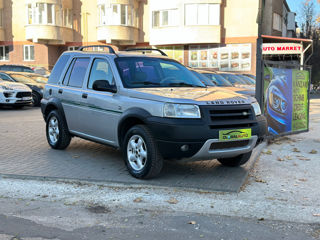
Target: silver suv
{"type": "Point", "coordinates": [149, 106]}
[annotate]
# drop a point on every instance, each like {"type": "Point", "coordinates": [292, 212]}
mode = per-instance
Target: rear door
{"type": "Point", "coordinates": [70, 92]}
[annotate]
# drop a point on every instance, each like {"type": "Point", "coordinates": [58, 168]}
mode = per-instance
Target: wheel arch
{"type": "Point", "coordinates": [130, 118]}
{"type": "Point", "coordinates": [54, 104]}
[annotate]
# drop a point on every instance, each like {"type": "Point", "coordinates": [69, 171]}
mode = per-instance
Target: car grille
{"type": "Point", "coordinates": [229, 117]}
{"type": "Point", "coordinates": [23, 94]}
{"type": "Point", "coordinates": [8, 94]}
{"type": "Point", "coordinates": [227, 145]}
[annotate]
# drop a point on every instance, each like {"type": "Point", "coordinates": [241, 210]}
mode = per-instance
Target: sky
{"type": "Point", "coordinates": [295, 6]}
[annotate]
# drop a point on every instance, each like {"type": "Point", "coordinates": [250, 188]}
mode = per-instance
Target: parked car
{"type": "Point", "coordinates": [41, 71]}
{"type": "Point", "coordinates": [37, 77]}
{"type": "Point", "coordinates": [248, 80]}
{"type": "Point", "coordinates": [220, 81]}
{"type": "Point", "coordinates": [37, 88]}
{"type": "Point", "coordinates": [151, 107]}
{"type": "Point", "coordinates": [250, 76]}
{"type": "Point", "coordinates": [204, 79]}
{"type": "Point", "coordinates": [16, 68]}
{"type": "Point", "coordinates": [14, 94]}
{"type": "Point", "coordinates": [237, 81]}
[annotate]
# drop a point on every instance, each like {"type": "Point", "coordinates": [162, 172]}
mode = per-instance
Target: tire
{"type": "Point", "coordinates": [140, 146]}
{"type": "Point", "coordinates": [236, 161]}
{"type": "Point", "coordinates": [57, 132]}
{"type": "Point", "coordinates": [36, 99]}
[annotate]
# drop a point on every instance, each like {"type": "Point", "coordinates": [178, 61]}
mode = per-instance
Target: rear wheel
{"type": "Point", "coordinates": [236, 161]}
{"type": "Point", "coordinates": [58, 135]}
{"type": "Point", "coordinates": [36, 99]}
{"type": "Point", "coordinates": [141, 153]}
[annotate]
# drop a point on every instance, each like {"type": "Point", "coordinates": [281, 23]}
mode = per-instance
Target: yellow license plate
{"type": "Point", "coordinates": [232, 135]}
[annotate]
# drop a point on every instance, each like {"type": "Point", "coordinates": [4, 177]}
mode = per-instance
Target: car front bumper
{"type": "Point", "coordinates": [192, 139]}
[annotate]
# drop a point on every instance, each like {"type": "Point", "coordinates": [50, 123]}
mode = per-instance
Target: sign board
{"type": "Point", "coordinates": [286, 100]}
{"type": "Point", "coordinates": [281, 48]}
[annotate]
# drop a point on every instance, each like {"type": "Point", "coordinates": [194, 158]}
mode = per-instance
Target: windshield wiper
{"type": "Point", "coordinates": [146, 83]}
{"type": "Point", "coordinates": [182, 84]}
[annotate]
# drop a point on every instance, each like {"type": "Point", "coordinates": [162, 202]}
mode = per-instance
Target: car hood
{"type": "Point", "coordinates": [15, 86]}
{"type": "Point", "coordinates": [210, 95]}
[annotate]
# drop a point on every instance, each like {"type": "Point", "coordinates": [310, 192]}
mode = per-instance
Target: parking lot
{"type": "Point", "coordinates": [25, 153]}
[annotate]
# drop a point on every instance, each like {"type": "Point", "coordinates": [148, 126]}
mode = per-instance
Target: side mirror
{"type": "Point", "coordinates": [104, 86]}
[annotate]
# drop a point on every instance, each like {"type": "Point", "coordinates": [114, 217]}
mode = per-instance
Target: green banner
{"type": "Point", "coordinates": [300, 86]}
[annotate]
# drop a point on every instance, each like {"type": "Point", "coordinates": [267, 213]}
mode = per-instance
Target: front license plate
{"type": "Point", "coordinates": [232, 135]}
{"type": "Point", "coordinates": [26, 98]}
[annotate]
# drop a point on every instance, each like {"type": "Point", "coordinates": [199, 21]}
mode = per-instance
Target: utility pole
{"type": "Point", "coordinates": [259, 67]}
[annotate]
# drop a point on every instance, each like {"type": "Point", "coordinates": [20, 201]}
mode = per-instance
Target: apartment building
{"type": "Point", "coordinates": [217, 34]}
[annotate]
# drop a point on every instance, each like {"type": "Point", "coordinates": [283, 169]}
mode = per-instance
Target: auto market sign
{"type": "Point", "coordinates": [281, 48]}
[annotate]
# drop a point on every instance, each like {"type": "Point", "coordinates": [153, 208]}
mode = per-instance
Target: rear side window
{"type": "Point", "coordinates": [78, 72]}
{"type": "Point", "coordinates": [58, 69]}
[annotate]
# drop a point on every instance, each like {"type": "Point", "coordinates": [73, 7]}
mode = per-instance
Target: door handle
{"type": "Point", "coordinates": [84, 95]}
{"type": "Point", "coordinates": [60, 91]}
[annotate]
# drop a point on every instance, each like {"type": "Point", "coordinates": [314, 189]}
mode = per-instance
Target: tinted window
{"type": "Point", "coordinates": [58, 69]}
{"type": "Point", "coordinates": [205, 80]}
{"type": "Point", "coordinates": [100, 70]}
{"type": "Point", "coordinates": [138, 72]}
{"type": "Point", "coordinates": [233, 79]}
{"type": "Point", "coordinates": [4, 77]}
{"type": "Point", "coordinates": [78, 72]}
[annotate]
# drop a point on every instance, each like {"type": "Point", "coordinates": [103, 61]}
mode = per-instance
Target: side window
{"type": "Point", "coordinates": [4, 77]}
{"type": "Point", "coordinates": [78, 72]}
{"type": "Point", "coordinates": [100, 70]}
{"type": "Point", "coordinates": [58, 69]}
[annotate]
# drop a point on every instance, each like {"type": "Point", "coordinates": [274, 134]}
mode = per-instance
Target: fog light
{"type": "Point", "coordinates": [184, 148]}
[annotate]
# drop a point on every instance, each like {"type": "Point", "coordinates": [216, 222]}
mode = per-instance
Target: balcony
{"type": "Point", "coordinates": [48, 34]}
{"type": "Point", "coordinates": [120, 35]}
{"type": "Point", "coordinates": [185, 35]}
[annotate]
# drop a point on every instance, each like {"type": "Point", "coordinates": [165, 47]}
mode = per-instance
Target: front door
{"type": "Point", "coordinates": [103, 112]}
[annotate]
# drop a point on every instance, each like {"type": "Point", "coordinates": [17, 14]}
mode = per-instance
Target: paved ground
{"type": "Point", "coordinates": [25, 220]}
{"type": "Point", "coordinates": [25, 152]}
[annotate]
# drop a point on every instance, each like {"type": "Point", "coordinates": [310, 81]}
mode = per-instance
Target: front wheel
{"type": "Point", "coordinates": [141, 153]}
{"type": "Point", "coordinates": [36, 99]}
{"type": "Point", "coordinates": [58, 135]}
{"type": "Point", "coordinates": [236, 161]}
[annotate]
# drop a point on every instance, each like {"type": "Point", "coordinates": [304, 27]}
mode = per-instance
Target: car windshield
{"type": "Point", "coordinates": [142, 72]}
{"type": "Point", "coordinates": [39, 79]}
{"type": "Point", "coordinates": [23, 79]}
{"type": "Point", "coordinates": [233, 79]}
{"type": "Point", "coordinates": [204, 79]}
{"type": "Point", "coordinates": [248, 80]}
{"type": "Point", "coordinates": [218, 80]}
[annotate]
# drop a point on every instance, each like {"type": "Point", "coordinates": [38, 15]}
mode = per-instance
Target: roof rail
{"type": "Point", "coordinates": [111, 50]}
{"type": "Point", "coordinates": [146, 49]}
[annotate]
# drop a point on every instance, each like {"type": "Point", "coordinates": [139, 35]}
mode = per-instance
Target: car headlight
{"type": "Point", "coordinates": [172, 110]}
{"type": "Point", "coordinates": [256, 108]}
{"type": "Point", "coordinates": [6, 88]}
{"type": "Point", "coordinates": [276, 100]}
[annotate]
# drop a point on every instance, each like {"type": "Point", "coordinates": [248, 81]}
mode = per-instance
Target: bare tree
{"type": "Point", "coordinates": [308, 18]}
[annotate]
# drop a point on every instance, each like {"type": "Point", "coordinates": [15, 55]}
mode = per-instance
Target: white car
{"type": "Point", "coordinates": [15, 94]}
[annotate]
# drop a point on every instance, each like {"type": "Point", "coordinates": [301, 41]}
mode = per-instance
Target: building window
{"type": "Point", "coordinates": [1, 17]}
{"type": "Point", "coordinates": [67, 18]}
{"type": "Point", "coordinates": [117, 14]}
{"type": "Point", "coordinates": [202, 14]}
{"type": "Point", "coordinates": [28, 53]}
{"type": "Point", "coordinates": [165, 18]}
{"type": "Point", "coordinates": [4, 53]}
{"type": "Point", "coordinates": [175, 52]}
{"type": "Point", "coordinates": [231, 57]}
{"type": "Point", "coordinates": [46, 13]}
{"type": "Point", "coordinates": [277, 22]}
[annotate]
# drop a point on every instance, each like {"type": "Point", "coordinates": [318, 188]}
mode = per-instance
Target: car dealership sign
{"type": "Point", "coordinates": [281, 48]}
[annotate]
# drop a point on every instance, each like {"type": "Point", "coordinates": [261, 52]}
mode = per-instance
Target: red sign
{"type": "Point", "coordinates": [281, 48]}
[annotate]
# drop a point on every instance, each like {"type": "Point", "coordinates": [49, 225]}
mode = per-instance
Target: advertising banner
{"type": "Point", "coordinates": [286, 100]}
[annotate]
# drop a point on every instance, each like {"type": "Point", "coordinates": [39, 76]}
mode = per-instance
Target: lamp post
{"type": "Point", "coordinates": [259, 67]}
